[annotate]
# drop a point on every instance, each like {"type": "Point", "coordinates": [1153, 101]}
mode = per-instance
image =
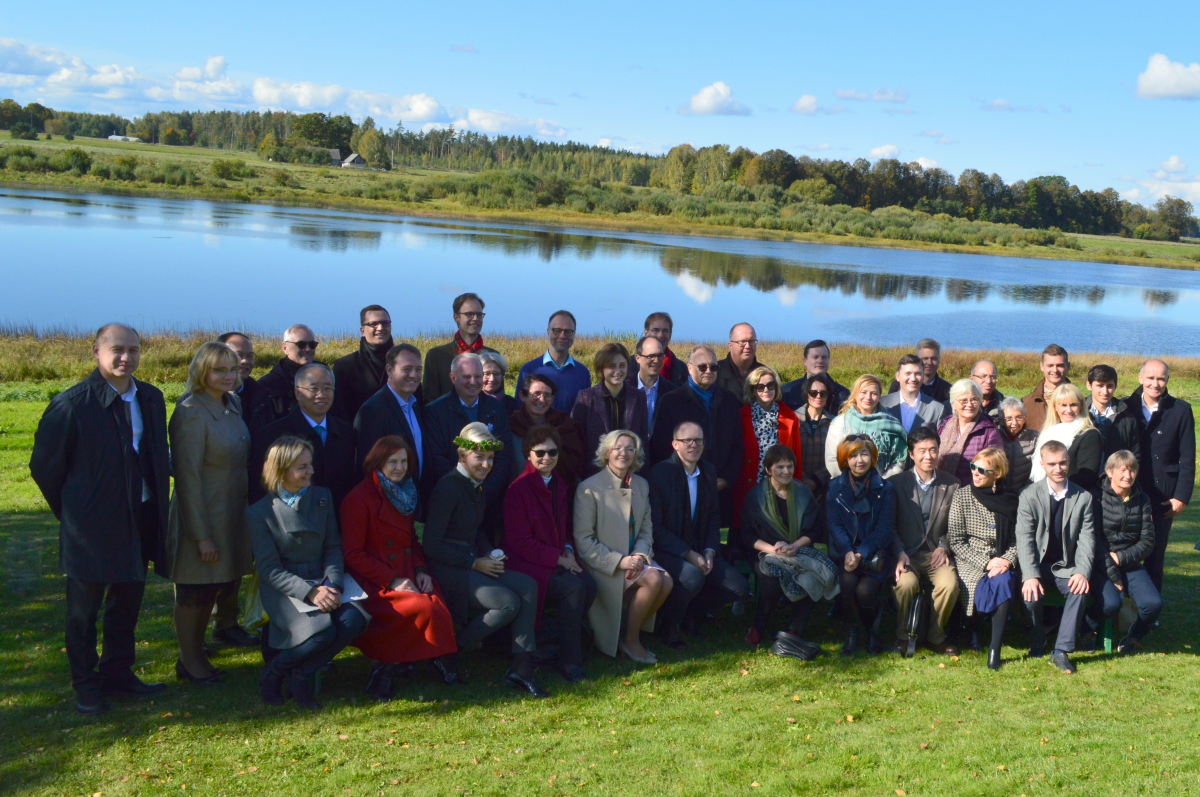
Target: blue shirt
{"type": "Point", "coordinates": [651, 395]}
{"type": "Point", "coordinates": [568, 380]}
{"type": "Point", "coordinates": [409, 408]}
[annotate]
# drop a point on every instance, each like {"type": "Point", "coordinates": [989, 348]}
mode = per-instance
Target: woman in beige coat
{"type": "Point", "coordinates": [614, 539]}
{"type": "Point", "coordinates": [207, 545]}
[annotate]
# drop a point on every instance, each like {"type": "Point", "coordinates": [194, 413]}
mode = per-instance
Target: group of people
{"type": "Point", "coordinates": [580, 515]}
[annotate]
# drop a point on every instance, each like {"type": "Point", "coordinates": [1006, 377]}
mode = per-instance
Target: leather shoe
{"type": "Point", "coordinates": [907, 648]}
{"type": "Point", "coordinates": [572, 673]}
{"type": "Point", "coordinates": [90, 703]}
{"type": "Point", "coordinates": [1128, 646]}
{"type": "Point", "coordinates": [945, 647]}
{"type": "Point", "coordinates": [1037, 649]}
{"type": "Point", "coordinates": [1061, 661]}
{"type": "Point", "coordinates": [449, 677]}
{"type": "Point", "coordinates": [130, 686]}
{"type": "Point", "coordinates": [993, 659]}
{"type": "Point", "coordinates": [671, 638]}
{"type": "Point", "coordinates": [181, 672]}
{"type": "Point", "coordinates": [525, 685]}
{"type": "Point", "coordinates": [271, 686]}
{"type": "Point", "coordinates": [851, 646]}
{"type": "Point", "coordinates": [380, 685]}
{"type": "Point", "coordinates": [298, 686]}
{"type": "Point", "coordinates": [236, 637]}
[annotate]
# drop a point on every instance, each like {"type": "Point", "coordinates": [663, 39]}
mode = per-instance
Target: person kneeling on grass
{"type": "Point", "coordinates": [1055, 544]}
{"type": "Point", "coordinates": [1128, 525]}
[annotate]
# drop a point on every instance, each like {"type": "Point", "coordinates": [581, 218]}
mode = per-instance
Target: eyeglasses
{"type": "Point", "coordinates": [304, 344]}
{"type": "Point", "coordinates": [744, 343]}
{"type": "Point", "coordinates": [690, 441]}
{"type": "Point", "coordinates": [652, 356]}
{"type": "Point", "coordinates": [818, 393]}
{"type": "Point", "coordinates": [984, 377]}
{"type": "Point", "coordinates": [770, 386]}
{"type": "Point", "coordinates": [705, 367]}
{"type": "Point", "coordinates": [542, 453]}
{"type": "Point", "coordinates": [625, 450]}
{"type": "Point", "coordinates": [317, 390]}
{"type": "Point", "coordinates": [659, 331]}
{"type": "Point", "coordinates": [979, 469]}
{"type": "Point", "coordinates": [378, 324]}
{"type": "Point", "coordinates": [542, 396]}
{"type": "Point", "coordinates": [471, 316]}
{"type": "Point", "coordinates": [562, 333]}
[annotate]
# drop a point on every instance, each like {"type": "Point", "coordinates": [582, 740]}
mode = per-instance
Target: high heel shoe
{"type": "Point", "coordinates": [524, 684]}
{"type": "Point", "coordinates": [993, 659]}
{"type": "Point", "coordinates": [649, 658]}
{"type": "Point", "coordinates": [182, 674]}
{"type": "Point", "coordinates": [449, 677]}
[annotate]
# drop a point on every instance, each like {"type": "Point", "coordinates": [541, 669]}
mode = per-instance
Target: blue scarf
{"type": "Point", "coordinates": [706, 396]}
{"type": "Point", "coordinates": [403, 496]}
{"type": "Point", "coordinates": [291, 499]}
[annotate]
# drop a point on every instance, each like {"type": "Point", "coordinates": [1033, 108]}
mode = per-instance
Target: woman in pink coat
{"type": "Point", "coordinates": [537, 539]}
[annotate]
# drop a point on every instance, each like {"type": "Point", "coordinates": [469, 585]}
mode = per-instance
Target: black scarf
{"type": "Point", "coordinates": [372, 362]}
{"type": "Point", "coordinates": [1003, 506]}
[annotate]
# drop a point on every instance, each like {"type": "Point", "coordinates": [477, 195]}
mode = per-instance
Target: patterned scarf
{"type": "Point", "coordinates": [766, 430]}
{"type": "Point", "coordinates": [291, 499]}
{"type": "Point", "coordinates": [460, 346]}
{"type": "Point", "coordinates": [885, 432]}
{"type": "Point", "coordinates": [402, 496]}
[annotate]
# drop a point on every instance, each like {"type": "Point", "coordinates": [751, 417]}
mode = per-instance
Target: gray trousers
{"type": "Point", "coordinates": [1073, 611]}
{"type": "Point", "coordinates": [509, 599]}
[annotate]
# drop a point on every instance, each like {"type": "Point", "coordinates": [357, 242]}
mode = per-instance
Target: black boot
{"type": "Point", "coordinates": [271, 684]}
{"type": "Point", "coordinates": [380, 684]}
{"type": "Point", "coordinates": [851, 646]}
{"type": "Point", "coordinates": [993, 658]}
{"type": "Point", "coordinates": [298, 686]}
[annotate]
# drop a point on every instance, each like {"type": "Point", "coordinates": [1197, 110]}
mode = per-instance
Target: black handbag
{"type": "Point", "coordinates": [875, 563]}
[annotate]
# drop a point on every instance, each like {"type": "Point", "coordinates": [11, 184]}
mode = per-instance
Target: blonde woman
{"type": "Point", "coordinates": [298, 552]}
{"type": "Point", "coordinates": [1069, 422]}
{"type": "Point", "coordinates": [207, 547]}
{"type": "Point", "coordinates": [614, 540]}
{"type": "Point", "coordinates": [860, 415]}
{"type": "Point", "coordinates": [470, 572]}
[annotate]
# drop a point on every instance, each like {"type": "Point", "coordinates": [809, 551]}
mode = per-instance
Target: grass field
{"type": "Point", "coordinates": [716, 719]}
{"type": "Point", "coordinates": [295, 184]}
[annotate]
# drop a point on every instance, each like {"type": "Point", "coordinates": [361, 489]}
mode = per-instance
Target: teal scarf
{"type": "Point", "coordinates": [885, 432]}
{"type": "Point", "coordinates": [291, 499]}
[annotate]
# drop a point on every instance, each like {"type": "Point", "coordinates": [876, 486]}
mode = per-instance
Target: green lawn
{"type": "Point", "coordinates": [716, 719]}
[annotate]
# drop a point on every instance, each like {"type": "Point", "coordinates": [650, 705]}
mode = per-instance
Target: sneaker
{"type": "Point", "coordinates": [1060, 660]}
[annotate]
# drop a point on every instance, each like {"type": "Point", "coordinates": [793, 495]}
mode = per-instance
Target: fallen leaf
{"type": "Point", "coordinates": [954, 658]}
{"type": "Point", "coordinates": [924, 745]}
{"type": "Point", "coordinates": [849, 718]}
{"type": "Point", "coordinates": [343, 736]}
{"type": "Point", "coordinates": [252, 769]}
{"type": "Point", "coordinates": [717, 713]}
{"type": "Point", "coordinates": [395, 783]}
{"type": "Point", "coordinates": [791, 720]}
{"type": "Point", "coordinates": [375, 765]}
{"type": "Point", "coordinates": [942, 666]}
{"type": "Point", "coordinates": [1001, 767]}
{"type": "Point", "coordinates": [753, 785]}
{"type": "Point", "coordinates": [900, 792]}
{"type": "Point", "coordinates": [795, 698]}
{"type": "Point", "coordinates": [745, 672]}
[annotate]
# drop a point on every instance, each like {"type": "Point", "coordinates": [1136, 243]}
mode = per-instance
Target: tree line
{"type": "Point", "coordinates": [714, 172]}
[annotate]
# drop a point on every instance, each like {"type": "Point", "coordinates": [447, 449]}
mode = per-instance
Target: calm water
{"type": "Point", "coordinates": [79, 260]}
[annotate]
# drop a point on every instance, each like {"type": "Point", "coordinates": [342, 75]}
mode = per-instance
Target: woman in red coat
{"type": "Point", "coordinates": [766, 421]}
{"type": "Point", "coordinates": [409, 620]}
{"type": "Point", "coordinates": [538, 536]}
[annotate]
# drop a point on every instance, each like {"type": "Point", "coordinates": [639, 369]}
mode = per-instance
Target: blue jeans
{"type": "Point", "coordinates": [319, 649]}
{"type": "Point", "coordinates": [1140, 586]}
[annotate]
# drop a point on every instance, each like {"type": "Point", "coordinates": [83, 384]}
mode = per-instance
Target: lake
{"type": "Point", "coordinates": [78, 260]}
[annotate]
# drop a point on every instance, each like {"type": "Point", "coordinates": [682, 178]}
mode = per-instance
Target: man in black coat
{"type": "Point", "coordinates": [648, 375]}
{"type": "Point", "coordinates": [278, 387]}
{"type": "Point", "coordinates": [100, 460]}
{"type": "Point", "coordinates": [816, 361]}
{"type": "Point", "coordinates": [742, 359]}
{"type": "Point", "coordinates": [1168, 456]}
{"type": "Point", "coordinates": [396, 409]}
{"type": "Point", "coordinates": [250, 394]}
{"type": "Point", "coordinates": [716, 411]}
{"type": "Point", "coordinates": [1118, 429]}
{"type": "Point", "coordinates": [445, 419]}
{"type": "Point", "coordinates": [360, 374]}
{"type": "Point", "coordinates": [686, 516]}
{"type": "Point", "coordinates": [333, 439]}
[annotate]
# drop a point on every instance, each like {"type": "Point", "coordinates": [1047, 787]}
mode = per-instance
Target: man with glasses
{"type": "Point", "coordinates": [742, 359]}
{"type": "Point", "coordinates": [279, 385]}
{"type": "Point", "coordinates": [686, 518]}
{"type": "Point", "coordinates": [816, 361]}
{"type": "Point", "coordinates": [468, 317]}
{"type": "Point", "coordinates": [984, 374]}
{"type": "Point", "coordinates": [650, 355]}
{"type": "Point", "coordinates": [333, 439]}
{"type": "Point", "coordinates": [716, 411]}
{"type": "Point", "coordinates": [360, 375]}
{"type": "Point", "coordinates": [910, 406]}
{"type": "Point", "coordinates": [660, 327]}
{"type": "Point", "coordinates": [397, 409]}
{"type": "Point", "coordinates": [930, 353]}
{"type": "Point", "coordinates": [569, 376]}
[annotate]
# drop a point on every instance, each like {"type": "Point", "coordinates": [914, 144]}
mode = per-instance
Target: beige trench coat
{"type": "Point", "coordinates": [602, 511]}
{"type": "Point", "coordinates": [209, 446]}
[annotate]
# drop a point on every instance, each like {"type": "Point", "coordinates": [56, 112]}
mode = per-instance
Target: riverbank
{"type": "Point", "coordinates": [188, 172]}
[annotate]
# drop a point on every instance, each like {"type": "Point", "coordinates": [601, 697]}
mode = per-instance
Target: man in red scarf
{"type": "Point", "coordinates": [468, 317]}
{"type": "Point", "coordinates": [660, 326]}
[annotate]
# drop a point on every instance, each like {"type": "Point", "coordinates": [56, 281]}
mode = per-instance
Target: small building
{"type": "Point", "coordinates": [129, 139]}
{"type": "Point", "coordinates": [335, 157]}
{"type": "Point", "coordinates": [355, 161]}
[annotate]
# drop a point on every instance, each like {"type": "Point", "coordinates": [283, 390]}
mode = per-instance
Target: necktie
{"type": "Point", "coordinates": [321, 432]}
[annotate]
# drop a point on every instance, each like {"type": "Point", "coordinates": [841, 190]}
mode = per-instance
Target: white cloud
{"type": "Point", "coordinates": [1167, 79]}
{"type": "Point", "coordinates": [200, 83]}
{"type": "Point", "coordinates": [932, 133]}
{"type": "Point", "coordinates": [878, 95]}
{"type": "Point", "coordinates": [499, 122]}
{"type": "Point", "coordinates": [927, 163]}
{"type": "Point", "coordinates": [884, 151]}
{"type": "Point", "coordinates": [715, 100]}
{"type": "Point", "coordinates": [29, 59]}
{"type": "Point", "coordinates": [213, 69]}
{"type": "Point", "coordinates": [1158, 188]}
{"type": "Point", "coordinates": [695, 288]}
{"type": "Point", "coordinates": [605, 142]}
{"type": "Point", "coordinates": [816, 147]}
{"type": "Point", "coordinates": [464, 48]}
{"type": "Point", "coordinates": [16, 81]}
{"type": "Point", "coordinates": [945, 140]}
{"type": "Point", "coordinates": [807, 105]}
{"type": "Point", "coordinates": [851, 94]}
{"type": "Point", "coordinates": [999, 105]}
{"type": "Point", "coordinates": [1174, 165]}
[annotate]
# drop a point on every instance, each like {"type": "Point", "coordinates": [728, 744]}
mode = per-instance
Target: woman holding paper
{"type": "Point", "coordinates": [298, 551]}
{"type": "Point", "coordinates": [409, 619]}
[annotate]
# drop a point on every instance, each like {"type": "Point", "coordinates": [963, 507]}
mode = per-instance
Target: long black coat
{"type": "Point", "coordinates": [357, 377]}
{"type": "Point", "coordinates": [381, 416]}
{"type": "Point", "coordinates": [333, 461]}
{"type": "Point", "coordinates": [84, 464]}
{"type": "Point", "coordinates": [277, 395]}
{"type": "Point", "coordinates": [723, 431]}
{"type": "Point", "coordinates": [1119, 434]}
{"type": "Point", "coordinates": [445, 418]}
{"type": "Point", "coordinates": [1168, 449]}
{"type": "Point", "coordinates": [729, 378]}
{"type": "Point", "coordinates": [454, 538]}
{"type": "Point", "coordinates": [591, 413]}
{"type": "Point", "coordinates": [251, 397]}
{"type": "Point", "coordinates": [676, 530]}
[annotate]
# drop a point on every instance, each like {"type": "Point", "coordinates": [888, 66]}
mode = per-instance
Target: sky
{"type": "Point", "coordinates": [1106, 94]}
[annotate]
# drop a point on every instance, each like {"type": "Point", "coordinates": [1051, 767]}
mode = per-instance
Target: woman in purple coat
{"type": "Point", "coordinates": [538, 537]}
{"type": "Point", "coordinates": [967, 432]}
{"type": "Point", "coordinates": [610, 405]}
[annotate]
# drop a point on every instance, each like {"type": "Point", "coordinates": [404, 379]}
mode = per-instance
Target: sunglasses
{"type": "Point", "coordinates": [304, 344]}
{"type": "Point", "coordinates": [544, 452]}
{"type": "Point", "coordinates": [818, 393]}
{"type": "Point", "coordinates": [856, 437]}
{"type": "Point", "coordinates": [705, 367]}
{"type": "Point", "coordinates": [771, 386]}
{"type": "Point", "coordinates": [978, 469]}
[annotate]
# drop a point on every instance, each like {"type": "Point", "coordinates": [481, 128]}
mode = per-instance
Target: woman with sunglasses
{"type": "Point", "coordinates": [861, 415]}
{"type": "Point", "coordinates": [537, 532]}
{"type": "Point", "coordinates": [860, 513]}
{"type": "Point", "coordinates": [819, 390]}
{"type": "Point", "coordinates": [766, 421]}
{"type": "Point", "coordinates": [967, 432]}
{"type": "Point", "coordinates": [982, 535]}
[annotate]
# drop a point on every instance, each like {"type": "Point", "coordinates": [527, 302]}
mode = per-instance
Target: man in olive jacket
{"type": "Point", "coordinates": [100, 460]}
{"type": "Point", "coordinates": [1056, 543]}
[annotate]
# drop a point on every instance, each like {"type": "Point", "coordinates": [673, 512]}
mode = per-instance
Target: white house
{"type": "Point", "coordinates": [355, 161]}
{"type": "Point", "coordinates": [130, 139]}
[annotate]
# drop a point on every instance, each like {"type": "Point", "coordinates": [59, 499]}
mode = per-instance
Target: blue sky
{"type": "Point", "coordinates": [1106, 94]}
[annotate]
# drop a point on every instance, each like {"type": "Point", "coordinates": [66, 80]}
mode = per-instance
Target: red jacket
{"type": "Point", "coordinates": [789, 435]}
{"type": "Point", "coordinates": [537, 527]}
{"type": "Point", "coordinates": [379, 543]}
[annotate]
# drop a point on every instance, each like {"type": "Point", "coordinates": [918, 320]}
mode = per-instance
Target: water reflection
{"type": "Point", "coordinates": [312, 238]}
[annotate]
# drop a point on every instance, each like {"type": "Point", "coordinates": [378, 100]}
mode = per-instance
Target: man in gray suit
{"type": "Point", "coordinates": [923, 496]}
{"type": "Point", "coordinates": [909, 405]}
{"type": "Point", "coordinates": [1055, 543]}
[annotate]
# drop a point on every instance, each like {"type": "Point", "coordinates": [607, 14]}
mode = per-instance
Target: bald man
{"type": "Point", "coordinates": [741, 360]}
{"type": "Point", "coordinates": [100, 460]}
{"type": "Point", "coordinates": [985, 374]}
{"type": "Point", "coordinates": [278, 386]}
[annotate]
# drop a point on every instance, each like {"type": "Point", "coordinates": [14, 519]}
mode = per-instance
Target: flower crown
{"type": "Point", "coordinates": [471, 445]}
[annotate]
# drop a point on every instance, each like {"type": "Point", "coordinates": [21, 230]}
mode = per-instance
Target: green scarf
{"type": "Point", "coordinates": [797, 505]}
{"type": "Point", "coordinates": [885, 432]}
